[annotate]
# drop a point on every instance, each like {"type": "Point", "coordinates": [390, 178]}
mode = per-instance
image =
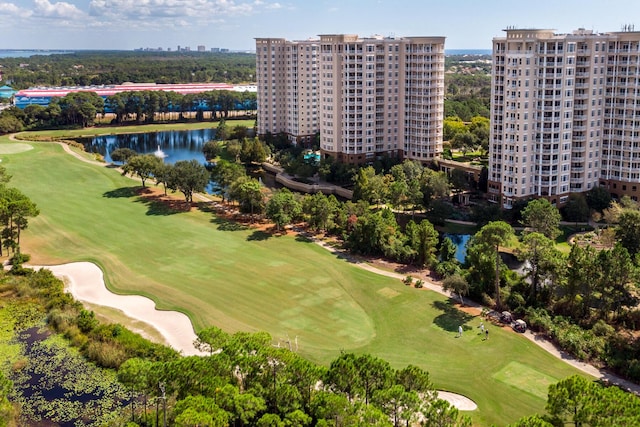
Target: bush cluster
{"type": "Point", "coordinates": [107, 345]}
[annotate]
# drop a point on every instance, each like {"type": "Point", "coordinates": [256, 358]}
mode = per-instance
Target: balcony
{"type": "Point", "coordinates": [550, 151]}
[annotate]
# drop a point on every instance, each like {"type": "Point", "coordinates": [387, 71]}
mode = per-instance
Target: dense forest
{"type": "Point", "coordinates": [467, 86]}
{"type": "Point", "coordinates": [84, 68]}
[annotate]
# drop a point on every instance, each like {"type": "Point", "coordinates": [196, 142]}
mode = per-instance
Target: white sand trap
{"type": "Point", "coordinates": [461, 402]}
{"type": "Point", "coordinates": [85, 281]}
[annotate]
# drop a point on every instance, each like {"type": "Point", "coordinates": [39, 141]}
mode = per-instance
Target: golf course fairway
{"type": "Point", "coordinates": [221, 273]}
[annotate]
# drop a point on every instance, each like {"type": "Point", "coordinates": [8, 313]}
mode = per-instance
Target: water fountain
{"type": "Point", "coordinates": [159, 153]}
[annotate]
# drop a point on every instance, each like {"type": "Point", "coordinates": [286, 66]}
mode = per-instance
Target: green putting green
{"type": "Point", "coordinates": [220, 273]}
{"type": "Point", "coordinates": [14, 148]}
{"type": "Point", "coordinates": [525, 378]}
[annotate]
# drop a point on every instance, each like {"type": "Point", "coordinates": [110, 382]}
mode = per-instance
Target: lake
{"type": "Point", "coordinates": [176, 145]}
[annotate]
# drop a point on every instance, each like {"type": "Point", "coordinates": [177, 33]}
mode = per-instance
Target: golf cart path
{"type": "Point", "coordinates": [428, 284]}
{"type": "Point", "coordinates": [538, 339]}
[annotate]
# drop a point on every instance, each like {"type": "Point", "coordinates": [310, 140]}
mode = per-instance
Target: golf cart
{"type": "Point", "coordinates": [506, 317]}
{"type": "Point", "coordinates": [519, 326]}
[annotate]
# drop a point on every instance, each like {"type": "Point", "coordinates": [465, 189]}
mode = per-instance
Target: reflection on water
{"type": "Point", "coordinates": [460, 240]}
{"type": "Point", "coordinates": [58, 387]}
{"type": "Point", "coordinates": [176, 145]}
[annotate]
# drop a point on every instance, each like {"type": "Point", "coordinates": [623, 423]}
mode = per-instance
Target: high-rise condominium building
{"type": "Point", "coordinates": [565, 114]}
{"type": "Point", "coordinates": [363, 97]}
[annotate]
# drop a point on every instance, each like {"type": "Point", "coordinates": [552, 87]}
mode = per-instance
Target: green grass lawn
{"type": "Point", "coordinates": [116, 130]}
{"type": "Point", "coordinates": [222, 274]}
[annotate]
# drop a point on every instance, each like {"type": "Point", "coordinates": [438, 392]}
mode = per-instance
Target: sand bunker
{"type": "Point", "coordinates": [85, 281]}
{"type": "Point", "coordinates": [461, 402]}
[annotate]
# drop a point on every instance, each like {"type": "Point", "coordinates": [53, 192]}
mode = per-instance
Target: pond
{"type": "Point", "coordinates": [460, 240]}
{"type": "Point", "coordinates": [172, 145]}
{"type": "Point", "coordinates": [58, 387]}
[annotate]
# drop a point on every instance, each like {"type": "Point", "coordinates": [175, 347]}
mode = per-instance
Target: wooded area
{"type": "Point", "coordinates": [83, 68]}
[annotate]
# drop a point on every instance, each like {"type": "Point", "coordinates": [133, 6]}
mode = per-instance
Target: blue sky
{"type": "Point", "coordinates": [129, 24]}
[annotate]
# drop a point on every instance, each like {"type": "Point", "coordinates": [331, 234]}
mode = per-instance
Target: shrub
{"type": "Point", "coordinates": [632, 369]}
{"type": "Point", "coordinates": [106, 354]}
{"type": "Point", "coordinates": [72, 143]}
{"type": "Point", "coordinates": [602, 329]}
{"type": "Point", "coordinates": [516, 302]}
{"type": "Point", "coordinates": [487, 301]}
{"type": "Point", "coordinates": [19, 270]}
{"type": "Point", "coordinates": [408, 280]}
{"type": "Point", "coordinates": [75, 336]}
{"type": "Point", "coordinates": [631, 319]}
{"type": "Point", "coordinates": [584, 344]}
{"type": "Point", "coordinates": [86, 320]}
{"type": "Point", "coordinates": [419, 283]}
{"type": "Point", "coordinates": [538, 319]}
{"type": "Point", "coordinates": [447, 268]}
{"type": "Point", "coordinates": [19, 258]}
{"type": "Point", "coordinates": [60, 320]}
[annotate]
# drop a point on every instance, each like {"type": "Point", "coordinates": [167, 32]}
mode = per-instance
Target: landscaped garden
{"type": "Point", "coordinates": [221, 273]}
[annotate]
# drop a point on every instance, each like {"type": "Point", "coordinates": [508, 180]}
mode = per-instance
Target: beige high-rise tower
{"type": "Point", "coordinates": [363, 97]}
{"type": "Point", "coordinates": [563, 114]}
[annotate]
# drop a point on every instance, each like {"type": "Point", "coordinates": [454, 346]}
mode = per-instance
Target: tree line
{"type": "Point", "coordinates": [85, 68]}
{"type": "Point", "coordinates": [82, 108]}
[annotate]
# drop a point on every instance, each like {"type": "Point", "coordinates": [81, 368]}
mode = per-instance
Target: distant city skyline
{"type": "Point", "coordinates": [233, 24]}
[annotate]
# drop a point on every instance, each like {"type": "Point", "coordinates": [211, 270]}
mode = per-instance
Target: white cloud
{"type": "Point", "coordinates": [11, 10]}
{"type": "Point", "coordinates": [202, 9]}
{"type": "Point", "coordinates": [58, 10]}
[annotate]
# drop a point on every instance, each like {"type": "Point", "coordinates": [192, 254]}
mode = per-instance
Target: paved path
{"type": "Point", "coordinates": [538, 339]}
{"type": "Point", "coordinates": [428, 284]}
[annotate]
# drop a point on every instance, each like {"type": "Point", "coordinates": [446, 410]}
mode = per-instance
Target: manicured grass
{"type": "Point", "coordinates": [14, 148]}
{"type": "Point", "coordinates": [222, 274]}
{"type": "Point", "coordinates": [525, 378]}
{"type": "Point", "coordinates": [455, 228]}
{"type": "Point", "coordinates": [116, 130]}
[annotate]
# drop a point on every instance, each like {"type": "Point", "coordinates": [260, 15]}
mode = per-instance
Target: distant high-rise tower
{"type": "Point", "coordinates": [564, 114]}
{"type": "Point", "coordinates": [363, 97]}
